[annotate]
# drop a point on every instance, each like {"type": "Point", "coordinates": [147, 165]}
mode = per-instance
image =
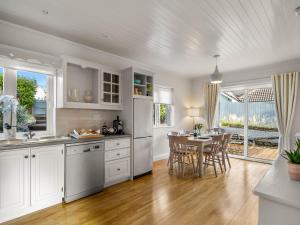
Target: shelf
{"type": "Point", "coordinates": [140, 85]}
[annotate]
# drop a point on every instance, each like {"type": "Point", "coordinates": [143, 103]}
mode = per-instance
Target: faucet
{"type": "Point", "coordinates": [28, 134]}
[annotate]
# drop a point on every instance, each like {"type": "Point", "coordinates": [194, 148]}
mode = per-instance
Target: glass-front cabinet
{"type": "Point", "coordinates": [87, 85]}
{"type": "Point", "coordinates": [111, 88]}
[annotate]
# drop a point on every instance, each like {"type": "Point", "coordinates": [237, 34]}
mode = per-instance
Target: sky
{"type": "Point", "coordinates": [40, 78]}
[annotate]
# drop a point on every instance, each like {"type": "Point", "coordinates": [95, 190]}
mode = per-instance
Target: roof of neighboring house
{"type": "Point", "coordinates": [255, 95]}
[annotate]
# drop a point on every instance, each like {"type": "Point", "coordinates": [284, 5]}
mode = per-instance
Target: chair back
{"type": "Point", "coordinates": [225, 143]}
{"type": "Point", "coordinates": [216, 144]}
{"type": "Point", "coordinates": [172, 142]}
{"type": "Point", "coordinates": [181, 144]}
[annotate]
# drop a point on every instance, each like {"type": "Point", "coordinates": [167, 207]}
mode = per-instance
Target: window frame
{"type": "Point", "coordinates": [156, 109]}
{"type": "Point", "coordinates": [10, 87]}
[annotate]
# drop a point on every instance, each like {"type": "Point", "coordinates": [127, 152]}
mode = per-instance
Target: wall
{"type": "Point", "coordinates": [182, 101]}
{"type": "Point", "coordinates": [48, 49]}
{"type": "Point", "coordinates": [250, 76]}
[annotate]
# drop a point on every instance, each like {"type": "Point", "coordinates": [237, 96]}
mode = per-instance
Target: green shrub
{"type": "Point", "coordinates": [250, 126]}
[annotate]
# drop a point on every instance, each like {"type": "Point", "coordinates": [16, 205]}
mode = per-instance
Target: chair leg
{"type": "Point", "coordinates": [219, 161]}
{"type": "Point", "coordinates": [214, 164]}
{"type": "Point", "coordinates": [193, 164]}
{"type": "Point", "coordinates": [223, 160]}
{"type": "Point", "coordinates": [228, 160]}
{"type": "Point", "coordinates": [183, 165]}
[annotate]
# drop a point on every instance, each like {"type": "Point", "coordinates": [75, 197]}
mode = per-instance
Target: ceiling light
{"type": "Point", "coordinates": [297, 11]}
{"type": "Point", "coordinates": [216, 77]}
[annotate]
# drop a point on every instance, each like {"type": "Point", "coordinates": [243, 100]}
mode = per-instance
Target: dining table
{"type": "Point", "coordinates": [199, 143]}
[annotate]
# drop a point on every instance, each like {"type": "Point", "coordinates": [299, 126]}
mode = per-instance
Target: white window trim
{"type": "Point", "coordinates": [51, 73]}
{"type": "Point", "coordinates": [157, 114]}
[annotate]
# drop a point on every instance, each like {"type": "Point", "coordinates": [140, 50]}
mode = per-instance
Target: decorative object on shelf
{"type": "Point", "coordinates": [137, 81]}
{"type": "Point", "coordinates": [88, 96]}
{"type": "Point", "coordinates": [73, 94]}
{"type": "Point", "coordinates": [149, 89]}
{"type": "Point", "coordinates": [293, 157]}
{"type": "Point", "coordinates": [216, 77]}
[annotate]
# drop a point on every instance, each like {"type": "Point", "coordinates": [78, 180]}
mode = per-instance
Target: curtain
{"type": "Point", "coordinates": [285, 94]}
{"type": "Point", "coordinates": [212, 96]}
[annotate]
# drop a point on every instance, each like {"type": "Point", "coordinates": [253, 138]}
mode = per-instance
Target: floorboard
{"type": "Point", "coordinates": [165, 199]}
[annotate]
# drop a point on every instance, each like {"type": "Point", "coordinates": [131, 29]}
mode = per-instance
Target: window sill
{"type": "Point", "coordinates": [172, 126]}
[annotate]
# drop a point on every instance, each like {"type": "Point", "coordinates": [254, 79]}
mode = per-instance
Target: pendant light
{"type": "Point", "coordinates": [216, 77]}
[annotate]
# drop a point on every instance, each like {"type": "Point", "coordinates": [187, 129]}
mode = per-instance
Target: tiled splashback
{"type": "Point", "coordinates": [69, 119]}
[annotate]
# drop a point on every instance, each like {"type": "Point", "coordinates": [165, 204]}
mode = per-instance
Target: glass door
{"type": "Point", "coordinates": [262, 132]}
{"type": "Point", "coordinates": [249, 114]}
{"type": "Point", "coordinates": [232, 118]}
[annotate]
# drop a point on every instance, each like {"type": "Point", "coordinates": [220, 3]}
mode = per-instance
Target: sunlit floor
{"type": "Point", "coordinates": [268, 153]}
{"type": "Point", "coordinates": [166, 199]}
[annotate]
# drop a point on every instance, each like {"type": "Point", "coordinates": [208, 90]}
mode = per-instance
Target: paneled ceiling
{"type": "Point", "coordinates": [179, 36]}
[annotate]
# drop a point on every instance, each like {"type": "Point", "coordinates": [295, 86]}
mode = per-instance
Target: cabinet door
{"type": "Point", "coordinates": [14, 181]}
{"type": "Point", "coordinates": [111, 88]}
{"type": "Point", "coordinates": [47, 175]}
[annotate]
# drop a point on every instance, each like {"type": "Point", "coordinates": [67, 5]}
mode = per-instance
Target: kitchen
{"type": "Point", "coordinates": [92, 92]}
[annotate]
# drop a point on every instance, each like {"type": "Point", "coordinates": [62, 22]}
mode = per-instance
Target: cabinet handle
{"type": "Point", "coordinates": [33, 156]}
{"type": "Point", "coordinates": [118, 169]}
{"type": "Point", "coordinates": [26, 156]}
{"type": "Point", "coordinates": [118, 144]}
{"type": "Point", "coordinates": [118, 154]}
{"type": "Point", "coordinates": [86, 150]}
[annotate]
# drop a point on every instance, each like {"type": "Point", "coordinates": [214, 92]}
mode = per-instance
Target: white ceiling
{"type": "Point", "coordinates": [179, 36]}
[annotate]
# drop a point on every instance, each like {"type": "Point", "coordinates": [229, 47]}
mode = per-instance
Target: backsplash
{"type": "Point", "coordinates": [69, 119]}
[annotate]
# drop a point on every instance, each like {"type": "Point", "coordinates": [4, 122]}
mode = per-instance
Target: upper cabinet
{"type": "Point", "coordinates": [139, 81]}
{"type": "Point", "coordinates": [87, 85]}
{"type": "Point", "coordinates": [111, 88]}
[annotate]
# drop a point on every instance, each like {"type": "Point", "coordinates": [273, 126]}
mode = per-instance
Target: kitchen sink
{"type": "Point", "coordinates": [19, 141]}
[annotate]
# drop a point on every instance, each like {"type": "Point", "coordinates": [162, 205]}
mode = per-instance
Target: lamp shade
{"type": "Point", "coordinates": [216, 77]}
{"type": "Point", "coordinates": [194, 112]}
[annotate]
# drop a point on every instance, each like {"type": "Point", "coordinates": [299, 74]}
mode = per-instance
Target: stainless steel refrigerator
{"type": "Point", "coordinates": [142, 137]}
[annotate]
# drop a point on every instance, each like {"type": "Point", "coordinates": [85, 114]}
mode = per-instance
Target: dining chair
{"type": "Point", "coordinates": [224, 150]}
{"type": "Point", "coordinates": [184, 153]}
{"type": "Point", "coordinates": [172, 154]}
{"type": "Point", "coordinates": [211, 153]}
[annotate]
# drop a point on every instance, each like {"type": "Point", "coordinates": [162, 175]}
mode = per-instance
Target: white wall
{"type": "Point", "coordinates": [48, 49]}
{"type": "Point", "coordinates": [182, 101]}
{"type": "Point", "coordinates": [251, 75]}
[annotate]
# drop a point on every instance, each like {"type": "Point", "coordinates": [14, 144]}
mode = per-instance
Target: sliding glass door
{"type": "Point", "coordinates": [249, 115]}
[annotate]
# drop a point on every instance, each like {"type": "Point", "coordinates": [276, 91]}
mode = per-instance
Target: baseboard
{"type": "Point", "coordinates": [161, 156]}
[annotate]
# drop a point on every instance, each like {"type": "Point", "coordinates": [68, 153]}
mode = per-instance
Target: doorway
{"type": "Point", "coordinates": [249, 114]}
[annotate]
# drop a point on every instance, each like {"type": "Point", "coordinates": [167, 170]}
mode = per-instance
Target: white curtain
{"type": "Point", "coordinates": [285, 93]}
{"type": "Point", "coordinates": [212, 96]}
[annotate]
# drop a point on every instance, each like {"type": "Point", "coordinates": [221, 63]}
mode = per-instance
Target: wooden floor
{"type": "Point", "coordinates": [268, 153]}
{"type": "Point", "coordinates": [165, 199]}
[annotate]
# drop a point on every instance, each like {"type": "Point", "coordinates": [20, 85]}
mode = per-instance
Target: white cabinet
{"type": "Point", "coordinates": [14, 182]}
{"type": "Point", "coordinates": [47, 175]}
{"type": "Point", "coordinates": [117, 160]}
{"type": "Point", "coordinates": [86, 85]}
{"type": "Point", "coordinates": [111, 88]}
{"type": "Point", "coordinates": [30, 179]}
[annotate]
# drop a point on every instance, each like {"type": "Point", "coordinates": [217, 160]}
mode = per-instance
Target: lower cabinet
{"type": "Point", "coordinates": [30, 179]}
{"type": "Point", "coordinates": [47, 177]}
{"type": "Point", "coordinates": [14, 183]}
{"type": "Point", "coordinates": [117, 161]}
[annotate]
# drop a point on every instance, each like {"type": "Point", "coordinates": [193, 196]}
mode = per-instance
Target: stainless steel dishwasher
{"type": "Point", "coordinates": [84, 174]}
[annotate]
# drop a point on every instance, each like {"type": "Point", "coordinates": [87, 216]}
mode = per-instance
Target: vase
{"type": "Point", "coordinates": [294, 171]}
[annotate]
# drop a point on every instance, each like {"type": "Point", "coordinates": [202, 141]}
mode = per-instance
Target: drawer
{"type": "Point", "coordinates": [117, 143]}
{"type": "Point", "coordinates": [117, 169]}
{"type": "Point", "coordinates": [117, 154]}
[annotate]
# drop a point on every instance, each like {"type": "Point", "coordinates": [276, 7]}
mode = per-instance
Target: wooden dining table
{"type": "Point", "coordinates": [200, 143]}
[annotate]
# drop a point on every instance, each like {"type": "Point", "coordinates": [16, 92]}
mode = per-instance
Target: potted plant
{"type": "Point", "coordinates": [293, 157]}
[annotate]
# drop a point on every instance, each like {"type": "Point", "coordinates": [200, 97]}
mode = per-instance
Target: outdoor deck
{"type": "Point", "coordinates": [268, 153]}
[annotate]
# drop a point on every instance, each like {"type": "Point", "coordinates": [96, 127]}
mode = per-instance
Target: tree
{"type": "Point", "coordinates": [26, 89]}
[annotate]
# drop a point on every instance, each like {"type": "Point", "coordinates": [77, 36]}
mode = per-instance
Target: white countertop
{"type": "Point", "coordinates": [277, 186]}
